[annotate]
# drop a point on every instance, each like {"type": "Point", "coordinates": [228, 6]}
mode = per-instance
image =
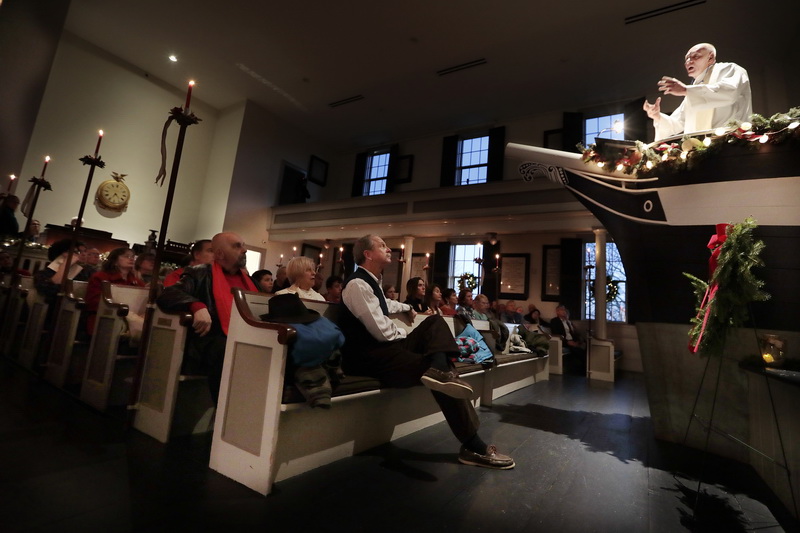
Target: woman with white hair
{"type": "Point", "coordinates": [301, 272]}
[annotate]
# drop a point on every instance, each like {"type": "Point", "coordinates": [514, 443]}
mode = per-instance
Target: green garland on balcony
{"type": "Point", "coordinates": [649, 160]}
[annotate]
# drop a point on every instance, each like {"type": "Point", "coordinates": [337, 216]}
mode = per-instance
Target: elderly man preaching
{"type": "Point", "coordinates": [720, 93]}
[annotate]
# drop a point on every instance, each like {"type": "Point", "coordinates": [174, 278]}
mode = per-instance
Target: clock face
{"type": "Point", "coordinates": [113, 194]}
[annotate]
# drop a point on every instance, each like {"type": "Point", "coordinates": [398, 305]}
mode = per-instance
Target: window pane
{"type": "Point", "coordinates": [377, 170]}
{"type": "Point", "coordinates": [616, 295]}
{"type": "Point", "coordinates": [603, 127]}
{"type": "Point", "coordinates": [473, 154]}
{"type": "Point", "coordinates": [591, 126]}
{"type": "Point", "coordinates": [462, 260]}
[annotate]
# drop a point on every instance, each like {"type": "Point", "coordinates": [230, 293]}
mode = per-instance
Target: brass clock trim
{"type": "Point", "coordinates": [113, 194]}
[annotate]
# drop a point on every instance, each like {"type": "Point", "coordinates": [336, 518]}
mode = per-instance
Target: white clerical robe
{"type": "Point", "coordinates": [722, 95]}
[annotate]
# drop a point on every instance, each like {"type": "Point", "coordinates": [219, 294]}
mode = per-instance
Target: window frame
{"type": "Point", "coordinates": [475, 268]}
{"type": "Point", "coordinates": [614, 263]}
{"type": "Point", "coordinates": [362, 169]}
{"type": "Point", "coordinates": [484, 156]}
{"type": "Point", "coordinates": [612, 119]}
{"type": "Point", "coordinates": [371, 157]}
{"type": "Point", "coordinates": [496, 155]}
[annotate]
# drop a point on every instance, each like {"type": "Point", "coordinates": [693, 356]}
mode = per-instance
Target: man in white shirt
{"type": "Point", "coordinates": [720, 93]}
{"type": "Point", "coordinates": [375, 346]}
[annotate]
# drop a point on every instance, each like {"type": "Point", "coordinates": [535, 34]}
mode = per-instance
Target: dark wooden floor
{"type": "Point", "coordinates": [586, 461]}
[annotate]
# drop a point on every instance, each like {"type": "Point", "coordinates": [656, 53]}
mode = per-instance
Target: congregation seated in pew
{"type": "Point", "coordinates": [205, 291]}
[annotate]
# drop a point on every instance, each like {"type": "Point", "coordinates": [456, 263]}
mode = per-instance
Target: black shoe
{"type": "Point", "coordinates": [491, 459]}
{"type": "Point", "coordinates": [447, 383]}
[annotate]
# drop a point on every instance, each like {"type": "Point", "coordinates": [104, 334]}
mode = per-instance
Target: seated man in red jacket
{"type": "Point", "coordinates": [205, 291]}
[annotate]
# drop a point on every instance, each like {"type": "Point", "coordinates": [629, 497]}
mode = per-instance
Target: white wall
{"type": "Point", "coordinates": [264, 143]}
{"type": "Point", "coordinates": [89, 90]}
{"type": "Point", "coordinates": [427, 154]}
{"type": "Point", "coordinates": [213, 204]}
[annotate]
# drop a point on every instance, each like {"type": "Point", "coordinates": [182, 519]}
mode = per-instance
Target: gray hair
{"type": "Point", "coordinates": [362, 245]}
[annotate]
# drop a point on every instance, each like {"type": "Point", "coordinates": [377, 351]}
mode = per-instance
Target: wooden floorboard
{"type": "Point", "coordinates": [586, 461]}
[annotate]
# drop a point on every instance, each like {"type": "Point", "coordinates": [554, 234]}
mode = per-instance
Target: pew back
{"type": "Point", "coordinates": [106, 369]}
{"type": "Point", "coordinates": [61, 366]}
{"type": "Point", "coordinates": [12, 327]}
{"type": "Point", "coordinates": [161, 381]}
{"type": "Point", "coordinates": [248, 411]}
{"type": "Point", "coordinates": [34, 328]}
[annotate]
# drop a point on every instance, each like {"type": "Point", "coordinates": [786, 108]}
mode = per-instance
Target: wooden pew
{"type": "Point", "coordinates": [67, 358]}
{"type": "Point", "coordinates": [171, 403]}
{"type": "Point", "coordinates": [259, 440]}
{"type": "Point", "coordinates": [14, 320]}
{"type": "Point", "coordinates": [556, 355]}
{"type": "Point", "coordinates": [513, 371]}
{"type": "Point", "coordinates": [109, 373]}
{"type": "Point", "coordinates": [602, 359]}
{"type": "Point", "coordinates": [34, 330]}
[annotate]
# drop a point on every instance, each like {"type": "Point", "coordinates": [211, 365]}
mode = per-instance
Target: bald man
{"type": "Point", "coordinates": [205, 291]}
{"type": "Point", "coordinates": [719, 94]}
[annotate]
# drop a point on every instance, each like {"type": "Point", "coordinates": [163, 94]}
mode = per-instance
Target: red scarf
{"type": "Point", "coordinates": [222, 293]}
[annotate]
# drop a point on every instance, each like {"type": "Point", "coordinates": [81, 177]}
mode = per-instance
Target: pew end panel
{"type": "Point", "coordinates": [170, 403]}
{"type": "Point", "coordinates": [109, 373]}
{"type": "Point", "coordinates": [66, 360]}
{"type": "Point", "coordinates": [248, 412]}
{"type": "Point", "coordinates": [556, 359]}
{"type": "Point", "coordinates": [33, 331]}
{"type": "Point", "coordinates": [15, 308]}
{"type": "Point", "coordinates": [602, 360]}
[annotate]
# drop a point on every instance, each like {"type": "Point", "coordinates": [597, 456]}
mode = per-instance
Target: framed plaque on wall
{"type": "Point", "coordinates": [514, 276]}
{"type": "Point", "coordinates": [551, 273]}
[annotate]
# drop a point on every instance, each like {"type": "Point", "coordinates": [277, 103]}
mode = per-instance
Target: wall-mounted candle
{"type": "Point", "coordinates": [341, 254]}
{"type": "Point", "coordinates": [497, 260]}
{"type": "Point", "coordinates": [294, 251]}
{"type": "Point", "coordinates": [402, 251]}
{"type": "Point", "coordinates": [44, 168]}
{"type": "Point", "coordinates": [188, 96]}
{"type": "Point", "coordinates": [320, 259]}
{"type": "Point", "coordinates": [427, 259]}
{"type": "Point", "coordinates": [97, 148]}
{"type": "Point", "coordinates": [11, 179]}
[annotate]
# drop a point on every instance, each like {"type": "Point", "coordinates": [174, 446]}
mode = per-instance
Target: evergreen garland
{"type": "Point", "coordinates": [651, 160]}
{"type": "Point", "coordinates": [737, 287]}
{"type": "Point", "coordinates": [467, 281]}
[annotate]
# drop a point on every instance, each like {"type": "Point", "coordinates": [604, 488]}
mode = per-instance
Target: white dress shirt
{"type": "Point", "coordinates": [365, 306]}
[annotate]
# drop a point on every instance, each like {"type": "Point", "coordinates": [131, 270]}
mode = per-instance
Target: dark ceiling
{"type": "Point", "coordinates": [296, 58]}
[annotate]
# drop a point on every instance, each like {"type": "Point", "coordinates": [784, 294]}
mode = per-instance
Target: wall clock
{"type": "Point", "coordinates": [113, 194]}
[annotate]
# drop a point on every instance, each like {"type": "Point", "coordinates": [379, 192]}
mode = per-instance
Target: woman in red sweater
{"type": "Point", "coordinates": [117, 269]}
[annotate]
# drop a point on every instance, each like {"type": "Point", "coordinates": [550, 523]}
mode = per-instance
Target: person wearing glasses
{"type": "Point", "coordinates": [118, 270]}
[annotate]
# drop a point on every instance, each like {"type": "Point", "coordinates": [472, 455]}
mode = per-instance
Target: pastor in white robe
{"type": "Point", "coordinates": [721, 95]}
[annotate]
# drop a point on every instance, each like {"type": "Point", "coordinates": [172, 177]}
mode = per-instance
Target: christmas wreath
{"type": "Point", "coordinates": [467, 281]}
{"type": "Point", "coordinates": [723, 302]}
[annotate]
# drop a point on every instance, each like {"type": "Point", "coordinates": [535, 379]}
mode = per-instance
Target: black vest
{"type": "Point", "coordinates": [355, 334]}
